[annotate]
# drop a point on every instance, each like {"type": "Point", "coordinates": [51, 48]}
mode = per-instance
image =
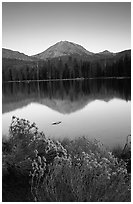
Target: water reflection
{"type": "Point", "coordinates": [95, 108]}
{"type": "Point", "coordinates": [76, 93]}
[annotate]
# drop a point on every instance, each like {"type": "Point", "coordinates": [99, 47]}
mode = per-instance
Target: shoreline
{"type": "Point", "coordinates": [71, 79]}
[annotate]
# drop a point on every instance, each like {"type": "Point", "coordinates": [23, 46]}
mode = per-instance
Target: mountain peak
{"type": "Point", "coordinates": [106, 52]}
{"type": "Point", "coordinates": [63, 48]}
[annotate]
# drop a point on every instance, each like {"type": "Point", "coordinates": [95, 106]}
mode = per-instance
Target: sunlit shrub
{"type": "Point", "coordinates": [81, 176]}
{"type": "Point", "coordinates": [26, 140]}
{"type": "Point", "coordinates": [25, 144]}
{"type": "Point", "coordinates": [72, 170]}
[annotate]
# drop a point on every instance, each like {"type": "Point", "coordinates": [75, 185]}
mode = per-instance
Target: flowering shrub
{"type": "Point", "coordinates": [27, 142]}
{"type": "Point", "coordinates": [85, 177]}
{"type": "Point", "coordinates": [79, 170]}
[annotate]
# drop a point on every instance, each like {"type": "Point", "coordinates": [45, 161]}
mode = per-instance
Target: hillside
{"type": "Point", "coordinates": [10, 54]}
{"type": "Point", "coordinates": [63, 48]}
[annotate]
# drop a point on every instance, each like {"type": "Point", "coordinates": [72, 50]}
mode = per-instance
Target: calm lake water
{"type": "Point", "coordinates": [99, 109]}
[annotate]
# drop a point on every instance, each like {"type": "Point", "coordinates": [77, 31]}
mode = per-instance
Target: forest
{"type": "Point", "coordinates": [70, 68]}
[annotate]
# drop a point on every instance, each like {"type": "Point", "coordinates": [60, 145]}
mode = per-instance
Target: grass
{"type": "Point", "coordinates": [36, 168]}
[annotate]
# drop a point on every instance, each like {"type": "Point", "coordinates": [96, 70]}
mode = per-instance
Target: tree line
{"type": "Point", "coordinates": [65, 69]}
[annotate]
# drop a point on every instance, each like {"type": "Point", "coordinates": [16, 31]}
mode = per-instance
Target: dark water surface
{"type": "Point", "coordinates": [99, 109]}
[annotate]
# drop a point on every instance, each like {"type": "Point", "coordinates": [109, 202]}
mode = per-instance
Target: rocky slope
{"type": "Point", "coordinates": [63, 48]}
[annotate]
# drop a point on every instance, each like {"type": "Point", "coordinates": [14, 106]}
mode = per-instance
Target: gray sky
{"type": "Point", "coordinates": [33, 27]}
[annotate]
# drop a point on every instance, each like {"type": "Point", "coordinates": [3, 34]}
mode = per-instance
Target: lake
{"type": "Point", "coordinates": [96, 108]}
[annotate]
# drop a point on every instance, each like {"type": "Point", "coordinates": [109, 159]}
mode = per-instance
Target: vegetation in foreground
{"type": "Point", "coordinates": [39, 169]}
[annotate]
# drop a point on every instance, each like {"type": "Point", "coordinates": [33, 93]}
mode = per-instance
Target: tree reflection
{"type": "Point", "coordinates": [72, 90]}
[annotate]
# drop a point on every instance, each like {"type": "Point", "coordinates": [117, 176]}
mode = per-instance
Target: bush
{"type": "Point", "coordinates": [20, 152]}
{"type": "Point", "coordinates": [84, 176]}
{"type": "Point", "coordinates": [73, 171]}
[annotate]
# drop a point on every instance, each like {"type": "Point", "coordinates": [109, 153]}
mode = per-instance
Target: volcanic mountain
{"type": "Point", "coordinates": [63, 48]}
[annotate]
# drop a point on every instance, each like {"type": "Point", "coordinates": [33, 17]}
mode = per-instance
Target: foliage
{"type": "Point", "coordinates": [79, 170]}
{"type": "Point", "coordinates": [66, 68]}
{"type": "Point", "coordinates": [19, 152]}
{"type": "Point", "coordinates": [94, 175]}
{"type": "Point", "coordinates": [25, 140]}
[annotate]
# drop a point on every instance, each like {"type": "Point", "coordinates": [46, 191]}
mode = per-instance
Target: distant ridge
{"type": "Point", "coordinates": [106, 52]}
{"type": "Point", "coordinates": [10, 54]}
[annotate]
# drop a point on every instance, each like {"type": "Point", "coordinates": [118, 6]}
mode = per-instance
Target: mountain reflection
{"type": "Point", "coordinates": [64, 96]}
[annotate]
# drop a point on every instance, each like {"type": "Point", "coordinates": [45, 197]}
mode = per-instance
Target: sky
{"type": "Point", "coordinates": [32, 27]}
